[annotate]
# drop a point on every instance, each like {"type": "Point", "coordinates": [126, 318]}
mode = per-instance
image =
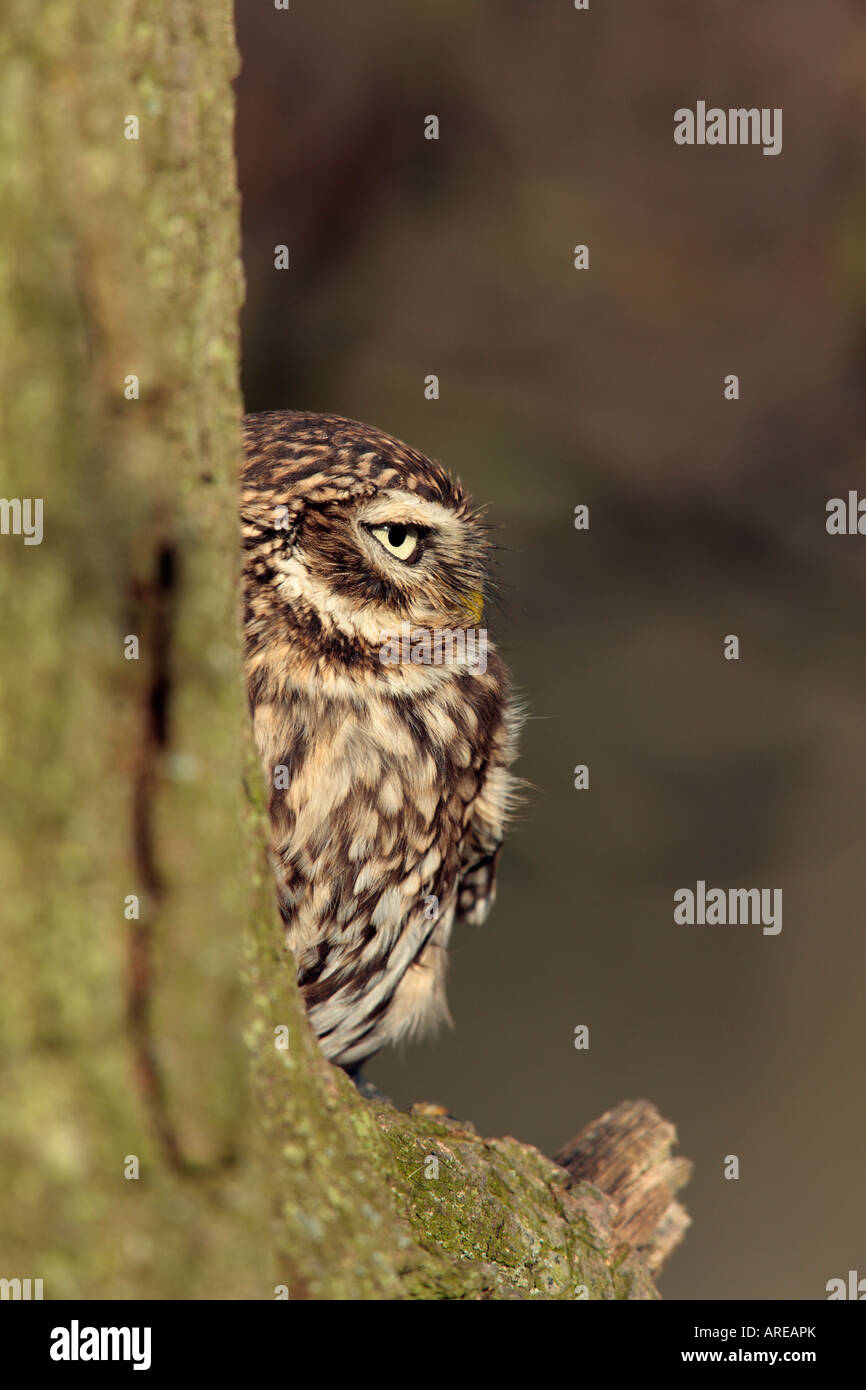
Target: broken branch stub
{"type": "Point", "coordinates": [628, 1155]}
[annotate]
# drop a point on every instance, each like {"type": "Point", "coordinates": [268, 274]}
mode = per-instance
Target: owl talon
{"type": "Point", "coordinates": [366, 1088]}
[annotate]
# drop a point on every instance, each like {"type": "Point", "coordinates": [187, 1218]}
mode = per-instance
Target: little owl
{"type": "Point", "coordinates": [389, 775]}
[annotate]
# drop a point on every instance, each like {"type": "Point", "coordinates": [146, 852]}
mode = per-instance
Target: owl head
{"type": "Point", "coordinates": [350, 534]}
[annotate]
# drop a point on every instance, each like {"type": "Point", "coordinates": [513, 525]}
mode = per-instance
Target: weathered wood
{"type": "Point", "coordinates": [627, 1154]}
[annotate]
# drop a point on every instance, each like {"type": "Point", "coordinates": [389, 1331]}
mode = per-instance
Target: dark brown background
{"type": "Point", "coordinates": [412, 257]}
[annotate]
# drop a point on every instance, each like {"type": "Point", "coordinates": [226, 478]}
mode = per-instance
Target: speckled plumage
{"type": "Point", "coordinates": [389, 783]}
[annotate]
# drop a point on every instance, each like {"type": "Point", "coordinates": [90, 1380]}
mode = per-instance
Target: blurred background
{"type": "Point", "coordinates": [454, 257]}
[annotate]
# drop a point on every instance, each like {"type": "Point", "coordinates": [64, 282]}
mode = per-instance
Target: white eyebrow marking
{"type": "Point", "coordinates": [397, 505]}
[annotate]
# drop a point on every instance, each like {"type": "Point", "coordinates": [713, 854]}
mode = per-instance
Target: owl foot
{"type": "Point", "coordinates": [366, 1088]}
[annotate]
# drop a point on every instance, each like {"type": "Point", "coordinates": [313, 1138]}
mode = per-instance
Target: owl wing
{"type": "Point", "coordinates": [476, 888]}
{"type": "Point", "coordinates": [489, 813]}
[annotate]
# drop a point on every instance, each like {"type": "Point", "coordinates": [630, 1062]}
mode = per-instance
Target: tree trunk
{"type": "Point", "coordinates": [157, 1140]}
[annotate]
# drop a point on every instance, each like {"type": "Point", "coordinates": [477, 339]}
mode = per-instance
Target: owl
{"type": "Point", "coordinates": [385, 735]}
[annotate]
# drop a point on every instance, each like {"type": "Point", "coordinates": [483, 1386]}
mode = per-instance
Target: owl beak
{"type": "Point", "coordinates": [473, 606]}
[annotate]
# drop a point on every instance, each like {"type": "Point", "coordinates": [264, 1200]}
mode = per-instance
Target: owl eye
{"type": "Point", "coordinates": [399, 540]}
